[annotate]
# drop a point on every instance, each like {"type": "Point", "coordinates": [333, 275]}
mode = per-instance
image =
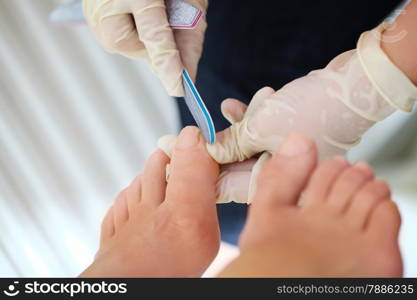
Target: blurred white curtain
{"type": "Point", "coordinates": [76, 125]}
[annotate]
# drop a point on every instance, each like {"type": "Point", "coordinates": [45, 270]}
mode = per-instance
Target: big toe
{"type": "Point", "coordinates": [193, 173]}
{"type": "Point", "coordinates": [283, 178]}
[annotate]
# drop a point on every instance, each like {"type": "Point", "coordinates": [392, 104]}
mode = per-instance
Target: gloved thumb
{"type": "Point", "coordinates": [233, 182]}
{"type": "Point", "coordinates": [166, 143]}
{"type": "Point", "coordinates": [238, 143]}
{"type": "Point", "coordinates": [233, 110]}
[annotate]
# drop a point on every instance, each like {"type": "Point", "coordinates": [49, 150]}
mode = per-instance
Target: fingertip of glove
{"type": "Point", "coordinates": [177, 90]}
{"type": "Point", "coordinates": [262, 160]}
{"type": "Point", "coordinates": [166, 143]}
{"type": "Point", "coordinates": [264, 92]}
{"type": "Point", "coordinates": [227, 116]}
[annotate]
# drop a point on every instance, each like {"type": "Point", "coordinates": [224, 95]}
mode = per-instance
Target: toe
{"type": "Point", "coordinates": [154, 179]}
{"type": "Point", "coordinates": [322, 180]}
{"type": "Point", "coordinates": [193, 174]}
{"type": "Point", "coordinates": [107, 226]}
{"type": "Point", "coordinates": [282, 179]}
{"type": "Point", "coordinates": [348, 183]}
{"type": "Point", "coordinates": [383, 230]}
{"type": "Point", "coordinates": [365, 201]}
{"type": "Point", "coordinates": [133, 193]}
{"type": "Point", "coordinates": [385, 221]}
{"type": "Point", "coordinates": [120, 211]}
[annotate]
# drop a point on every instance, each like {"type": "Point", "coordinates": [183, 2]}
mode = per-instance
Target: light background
{"type": "Point", "coordinates": [76, 125]}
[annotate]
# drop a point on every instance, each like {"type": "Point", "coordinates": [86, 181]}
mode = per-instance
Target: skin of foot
{"type": "Point", "coordinates": [157, 228]}
{"type": "Point", "coordinates": [330, 220]}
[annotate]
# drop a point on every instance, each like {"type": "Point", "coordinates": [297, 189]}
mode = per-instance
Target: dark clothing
{"type": "Point", "coordinates": [250, 45]}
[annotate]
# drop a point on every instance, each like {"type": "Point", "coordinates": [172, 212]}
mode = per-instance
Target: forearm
{"type": "Point", "coordinates": [399, 42]}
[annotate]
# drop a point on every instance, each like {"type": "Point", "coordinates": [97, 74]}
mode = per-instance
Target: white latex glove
{"type": "Point", "coordinates": [333, 106]}
{"type": "Point", "coordinates": [140, 29]}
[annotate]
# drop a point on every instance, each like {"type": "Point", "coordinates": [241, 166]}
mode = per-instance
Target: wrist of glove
{"type": "Point", "coordinates": [139, 29]}
{"type": "Point", "coordinates": [390, 82]}
{"type": "Point", "coordinates": [334, 106]}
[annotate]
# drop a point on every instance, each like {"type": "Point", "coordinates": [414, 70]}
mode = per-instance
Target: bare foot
{"type": "Point", "coordinates": [156, 228]}
{"type": "Point", "coordinates": [345, 223]}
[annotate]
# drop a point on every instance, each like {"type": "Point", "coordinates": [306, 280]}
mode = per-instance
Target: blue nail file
{"type": "Point", "coordinates": [198, 109]}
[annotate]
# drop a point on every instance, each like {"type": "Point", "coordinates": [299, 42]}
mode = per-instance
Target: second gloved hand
{"type": "Point", "coordinates": [333, 106]}
{"type": "Point", "coordinates": [140, 29]}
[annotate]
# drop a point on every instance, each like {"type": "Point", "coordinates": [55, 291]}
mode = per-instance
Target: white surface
{"type": "Point", "coordinates": [408, 237]}
{"type": "Point", "coordinates": [227, 253]}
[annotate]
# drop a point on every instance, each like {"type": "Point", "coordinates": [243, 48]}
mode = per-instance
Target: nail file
{"type": "Point", "coordinates": [198, 109]}
{"type": "Point", "coordinates": [183, 15]}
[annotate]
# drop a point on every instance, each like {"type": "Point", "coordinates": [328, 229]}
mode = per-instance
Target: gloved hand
{"type": "Point", "coordinates": [333, 106]}
{"type": "Point", "coordinates": [140, 29]}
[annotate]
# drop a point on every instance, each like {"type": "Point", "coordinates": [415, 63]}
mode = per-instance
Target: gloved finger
{"type": "Point", "coordinates": [156, 34]}
{"type": "Point", "coordinates": [190, 41]}
{"type": "Point", "coordinates": [239, 142]}
{"type": "Point", "coordinates": [118, 34]}
{"type": "Point", "coordinates": [229, 147]}
{"type": "Point", "coordinates": [166, 143]}
{"type": "Point", "coordinates": [233, 110]}
{"type": "Point", "coordinates": [233, 186]}
{"type": "Point", "coordinates": [258, 98]}
{"type": "Point", "coordinates": [246, 165]}
{"type": "Point", "coordinates": [233, 183]}
{"type": "Point", "coordinates": [237, 181]}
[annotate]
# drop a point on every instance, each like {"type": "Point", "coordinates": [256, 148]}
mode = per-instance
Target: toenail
{"type": "Point", "coordinates": [188, 137]}
{"type": "Point", "coordinates": [363, 166]}
{"type": "Point", "coordinates": [295, 144]}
